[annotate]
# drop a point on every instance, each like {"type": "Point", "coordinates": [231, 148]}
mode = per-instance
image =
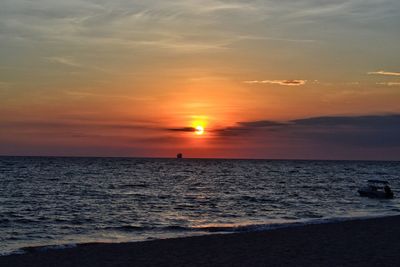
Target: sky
{"type": "Point", "coordinates": [275, 79]}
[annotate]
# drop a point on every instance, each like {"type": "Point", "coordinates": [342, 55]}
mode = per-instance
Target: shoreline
{"type": "Point", "coordinates": [339, 243]}
{"type": "Point", "coordinates": [198, 232]}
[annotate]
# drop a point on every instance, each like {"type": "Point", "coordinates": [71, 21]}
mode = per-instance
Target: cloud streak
{"type": "Point", "coordinates": [385, 73]}
{"type": "Point", "coordinates": [389, 83]}
{"type": "Point", "coordinates": [353, 131]}
{"type": "Point", "coordinates": [182, 129]}
{"type": "Point", "coordinates": [64, 61]}
{"type": "Point", "coordinates": [279, 82]}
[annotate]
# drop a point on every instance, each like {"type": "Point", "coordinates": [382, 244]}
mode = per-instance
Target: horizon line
{"type": "Point", "coordinates": [196, 158]}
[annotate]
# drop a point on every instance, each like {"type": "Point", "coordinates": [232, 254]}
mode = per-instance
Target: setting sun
{"type": "Point", "coordinates": [199, 130]}
{"type": "Point", "coordinates": [199, 124]}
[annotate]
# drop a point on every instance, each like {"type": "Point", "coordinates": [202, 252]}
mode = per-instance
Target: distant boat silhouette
{"type": "Point", "coordinates": [179, 156]}
{"type": "Point", "coordinates": [376, 189]}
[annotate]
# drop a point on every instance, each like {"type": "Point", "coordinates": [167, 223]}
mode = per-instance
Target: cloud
{"type": "Point", "coordinates": [389, 83]}
{"type": "Point", "coordinates": [182, 129]}
{"type": "Point", "coordinates": [367, 121]}
{"type": "Point", "coordinates": [263, 38]}
{"type": "Point", "coordinates": [352, 83]}
{"type": "Point", "coordinates": [64, 61]}
{"type": "Point", "coordinates": [211, 6]}
{"type": "Point", "coordinates": [245, 128]}
{"type": "Point", "coordinates": [78, 125]}
{"type": "Point", "coordinates": [93, 93]}
{"type": "Point", "coordinates": [386, 73]}
{"type": "Point", "coordinates": [153, 24]}
{"type": "Point", "coordinates": [264, 123]}
{"type": "Point", "coordinates": [279, 82]}
{"type": "Point", "coordinates": [352, 131]}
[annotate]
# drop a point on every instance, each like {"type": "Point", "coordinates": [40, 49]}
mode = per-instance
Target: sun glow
{"type": "Point", "coordinates": [199, 125]}
{"type": "Point", "coordinates": [199, 130]}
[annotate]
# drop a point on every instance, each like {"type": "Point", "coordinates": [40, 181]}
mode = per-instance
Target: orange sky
{"type": "Point", "coordinates": [130, 78]}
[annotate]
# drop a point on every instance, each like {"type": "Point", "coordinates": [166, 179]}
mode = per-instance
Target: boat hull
{"type": "Point", "coordinates": [375, 194]}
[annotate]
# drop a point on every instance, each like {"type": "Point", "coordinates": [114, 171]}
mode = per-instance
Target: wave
{"type": "Point", "coordinates": [141, 185]}
{"type": "Point", "coordinates": [4, 221]}
{"type": "Point", "coordinates": [134, 228]}
{"type": "Point", "coordinates": [245, 228]}
{"type": "Point", "coordinates": [13, 252]}
{"type": "Point", "coordinates": [47, 248]}
{"type": "Point", "coordinates": [237, 228]}
{"type": "Point", "coordinates": [34, 249]}
{"type": "Point", "coordinates": [127, 228]}
{"type": "Point", "coordinates": [202, 229]}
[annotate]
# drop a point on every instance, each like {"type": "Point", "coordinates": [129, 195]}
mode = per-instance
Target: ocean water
{"type": "Point", "coordinates": [56, 201]}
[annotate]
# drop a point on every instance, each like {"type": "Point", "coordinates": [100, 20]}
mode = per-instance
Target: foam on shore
{"type": "Point", "coordinates": [205, 230]}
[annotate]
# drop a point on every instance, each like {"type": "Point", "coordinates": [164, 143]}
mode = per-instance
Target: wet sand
{"type": "Point", "coordinates": [372, 242]}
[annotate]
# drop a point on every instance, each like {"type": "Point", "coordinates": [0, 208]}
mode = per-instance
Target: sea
{"type": "Point", "coordinates": [57, 202]}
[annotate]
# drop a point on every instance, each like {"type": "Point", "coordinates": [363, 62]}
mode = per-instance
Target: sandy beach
{"type": "Point", "coordinates": [372, 242]}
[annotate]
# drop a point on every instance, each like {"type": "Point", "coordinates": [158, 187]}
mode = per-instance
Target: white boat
{"type": "Point", "coordinates": [376, 189]}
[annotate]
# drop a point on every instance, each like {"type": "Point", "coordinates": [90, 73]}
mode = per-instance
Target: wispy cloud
{"type": "Point", "coordinates": [386, 73]}
{"type": "Point", "coordinates": [94, 93]}
{"type": "Point", "coordinates": [182, 129]}
{"type": "Point", "coordinates": [217, 6]}
{"type": "Point", "coordinates": [64, 61]}
{"type": "Point", "coordinates": [265, 38]}
{"type": "Point", "coordinates": [74, 125]}
{"type": "Point", "coordinates": [279, 82]}
{"type": "Point", "coordinates": [352, 83]}
{"type": "Point", "coordinates": [389, 83]}
{"type": "Point", "coordinates": [368, 130]}
{"type": "Point", "coordinates": [264, 123]}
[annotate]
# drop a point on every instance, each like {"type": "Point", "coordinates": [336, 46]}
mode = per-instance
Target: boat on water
{"type": "Point", "coordinates": [179, 156]}
{"type": "Point", "coordinates": [376, 189]}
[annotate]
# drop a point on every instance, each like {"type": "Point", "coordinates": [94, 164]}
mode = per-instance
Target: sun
{"type": "Point", "coordinates": [199, 124]}
{"type": "Point", "coordinates": [199, 130]}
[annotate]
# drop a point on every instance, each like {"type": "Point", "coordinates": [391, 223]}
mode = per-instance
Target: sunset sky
{"type": "Point", "coordinates": [304, 79]}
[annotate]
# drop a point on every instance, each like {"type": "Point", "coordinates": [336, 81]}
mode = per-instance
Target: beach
{"type": "Point", "coordinates": [367, 242]}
